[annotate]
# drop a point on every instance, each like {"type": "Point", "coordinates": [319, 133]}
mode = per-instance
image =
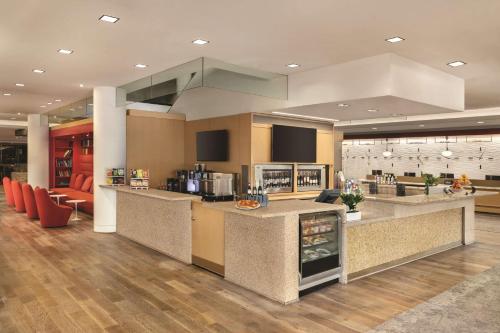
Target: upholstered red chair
{"type": "Point", "coordinates": [51, 215]}
{"type": "Point", "coordinates": [29, 201]}
{"type": "Point", "coordinates": [17, 192]}
{"type": "Point", "coordinates": [7, 188]}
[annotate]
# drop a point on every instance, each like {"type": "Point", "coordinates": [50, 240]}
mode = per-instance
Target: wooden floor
{"type": "Point", "coordinates": [74, 280]}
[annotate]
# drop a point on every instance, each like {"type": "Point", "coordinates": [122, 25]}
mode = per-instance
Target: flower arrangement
{"type": "Point", "coordinates": [459, 183]}
{"type": "Point", "coordinates": [352, 199]}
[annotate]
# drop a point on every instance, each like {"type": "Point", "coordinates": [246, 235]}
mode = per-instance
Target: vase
{"type": "Point", "coordinates": [353, 216]}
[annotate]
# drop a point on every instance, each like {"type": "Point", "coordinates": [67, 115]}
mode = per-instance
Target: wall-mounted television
{"type": "Point", "coordinates": [212, 145]}
{"type": "Point", "coordinates": [293, 144]}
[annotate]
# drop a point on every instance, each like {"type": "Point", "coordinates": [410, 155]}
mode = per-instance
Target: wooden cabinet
{"type": "Point", "coordinates": [208, 238]}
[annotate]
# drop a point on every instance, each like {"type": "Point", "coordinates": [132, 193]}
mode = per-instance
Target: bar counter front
{"type": "Point", "coordinates": [265, 250]}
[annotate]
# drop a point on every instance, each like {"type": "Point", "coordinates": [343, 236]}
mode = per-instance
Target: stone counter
{"type": "Point", "coordinates": [277, 208]}
{"type": "Point", "coordinates": [153, 193]}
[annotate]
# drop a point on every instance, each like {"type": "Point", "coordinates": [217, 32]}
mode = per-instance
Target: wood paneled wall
{"type": "Point", "coordinates": [155, 141]}
{"type": "Point", "coordinates": [239, 127]}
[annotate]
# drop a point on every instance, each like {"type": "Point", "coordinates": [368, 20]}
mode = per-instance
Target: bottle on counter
{"type": "Point", "coordinates": [249, 189]}
{"type": "Point", "coordinates": [259, 190]}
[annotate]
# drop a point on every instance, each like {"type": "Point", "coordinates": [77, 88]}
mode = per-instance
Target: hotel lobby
{"type": "Point", "coordinates": [249, 166]}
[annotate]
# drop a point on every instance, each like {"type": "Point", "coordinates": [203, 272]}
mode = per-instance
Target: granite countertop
{"type": "Point", "coordinates": [153, 193]}
{"type": "Point", "coordinates": [421, 199]}
{"type": "Point", "coordinates": [415, 184]}
{"type": "Point", "coordinates": [277, 208]}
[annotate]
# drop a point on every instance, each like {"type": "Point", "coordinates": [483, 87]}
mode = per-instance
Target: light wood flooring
{"type": "Point", "coordinates": [73, 280]}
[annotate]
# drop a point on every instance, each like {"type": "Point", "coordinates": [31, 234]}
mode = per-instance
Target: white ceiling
{"type": "Point", "coordinates": [259, 34]}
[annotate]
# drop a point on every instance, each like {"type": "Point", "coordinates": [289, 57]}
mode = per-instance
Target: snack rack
{"type": "Point", "coordinates": [139, 179]}
{"type": "Point", "coordinates": [115, 177]}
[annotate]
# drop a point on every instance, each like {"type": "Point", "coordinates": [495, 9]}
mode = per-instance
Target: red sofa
{"type": "Point", "coordinates": [17, 192]}
{"type": "Point", "coordinates": [29, 201]}
{"type": "Point", "coordinates": [7, 187]}
{"type": "Point", "coordinates": [80, 188]}
{"type": "Point", "coordinates": [51, 215]}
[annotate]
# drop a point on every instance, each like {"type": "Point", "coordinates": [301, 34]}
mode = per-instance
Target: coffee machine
{"type": "Point", "coordinates": [218, 187]}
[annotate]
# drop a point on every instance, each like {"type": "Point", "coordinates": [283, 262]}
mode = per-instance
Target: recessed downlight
{"type": "Point", "coordinates": [57, 100]}
{"type": "Point", "coordinates": [19, 113]}
{"type": "Point", "coordinates": [141, 66]}
{"type": "Point", "coordinates": [7, 94]}
{"type": "Point", "coordinates": [43, 106]}
{"type": "Point", "coordinates": [81, 85]}
{"type": "Point", "coordinates": [108, 18]}
{"type": "Point", "coordinates": [372, 110]}
{"type": "Point", "coordinates": [38, 71]}
{"type": "Point", "coordinates": [293, 65]}
{"type": "Point", "coordinates": [49, 103]}
{"type": "Point", "coordinates": [65, 51]}
{"type": "Point", "coordinates": [480, 122]}
{"type": "Point", "coordinates": [457, 63]}
{"type": "Point", "coordinates": [20, 84]}
{"type": "Point", "coordinates": [374, 128]}
{"type": "Point", "coordinates": [395, 39]}
{"type": "Point", "coordinates": [421, 125]}
{"type": "Point", "coordinates": [200, 41]}
{"type": "Point", "coordinates": [343, 105]}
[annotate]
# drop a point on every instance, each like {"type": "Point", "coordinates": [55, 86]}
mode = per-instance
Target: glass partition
{"type": "Point", "coordinates": [81, 109]}
{"type": "Point", "coordinates": [166, 87]}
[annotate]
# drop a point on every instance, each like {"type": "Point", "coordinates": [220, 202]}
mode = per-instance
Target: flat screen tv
{"type": "Point", "coordinates": [212, 145]}
{"type": "Point", "coordinates": [293, 144]}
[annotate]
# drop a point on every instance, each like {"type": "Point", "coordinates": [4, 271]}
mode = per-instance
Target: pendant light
{"type": "Point", "coordinates": [446, 153]}
{"type": "Point", "coordinates": [387, 152]}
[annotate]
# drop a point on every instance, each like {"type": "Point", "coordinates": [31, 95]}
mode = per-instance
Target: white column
{"type": "Point", "coordinates": [38, 150]}
{"type": "Point", "coordinates": [109, 152]}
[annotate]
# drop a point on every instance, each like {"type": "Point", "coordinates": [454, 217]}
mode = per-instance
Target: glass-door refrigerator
{"type": "Point", "coordinates": [319, 262]}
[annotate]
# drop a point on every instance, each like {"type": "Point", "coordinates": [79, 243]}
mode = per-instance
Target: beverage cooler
{"type": "Point", "coordinates": [275, 178]}
{"type": "Point", "coordinates": [319, 262]}
{"type": "Point", "coordinates": [311, 177]}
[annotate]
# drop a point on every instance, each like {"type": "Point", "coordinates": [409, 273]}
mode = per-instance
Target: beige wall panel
{"type": "Point", "coordinates": [156, 144]}
{"type": "Point", "coordinates": [208, 233]}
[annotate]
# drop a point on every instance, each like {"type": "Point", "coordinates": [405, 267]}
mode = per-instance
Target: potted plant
{"type": "Point", "coordinates": [351, 200]}
{"type": "Point", "coordinates": [429, 180]}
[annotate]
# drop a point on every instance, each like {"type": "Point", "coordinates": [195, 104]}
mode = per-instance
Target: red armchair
{"type": "Point", "coordinates": [18, 196]}
{"type": "Point", "coordinates": [7, 187]}
{"type": "Point", "coordinates": [51, 215]}
{"type": "Point", "coordinates": [29, 201]}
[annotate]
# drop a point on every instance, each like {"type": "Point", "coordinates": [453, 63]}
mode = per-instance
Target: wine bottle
{"type": "Point", "coordinates": [249, 189]}
{"type": "Point", "coordinates": [259, 190]}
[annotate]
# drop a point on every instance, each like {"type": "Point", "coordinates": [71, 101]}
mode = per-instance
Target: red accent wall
{"type": "Point", "coordinates": [82, 153]}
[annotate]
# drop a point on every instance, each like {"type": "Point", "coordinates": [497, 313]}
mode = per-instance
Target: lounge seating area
{"type": "Point", "coordinates": [38, 204]}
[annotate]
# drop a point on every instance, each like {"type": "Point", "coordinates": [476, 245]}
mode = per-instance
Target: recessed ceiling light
{"type": "Point", "coordinates": [38, 71]}
{"type": "Point", "coordinates": [421, 125]}
{"type": "Point", "coordinates": [141, 66]}
{"type": "Point", "coordinates": [19, 113]}
{"type": "Point", "coordinates": [20, 84]}
{"type": "Point", "coordinates": [200, 41]}
{"type": "Point", "coordinates": [43, 106]}
{"type": "Point", "coordinates": [303, 116]}
{"type": "Point", "coordinates": [456, 63]}
{"type": "Point", "coordinates": [293, 65]}
{"type": "Point", "coordinates": [372, 110]}
{"type": "Point", "coordinates": [55, 117]}
{"type": "Point", "coordinates": [480, 122]}
{"type": "Point", "coordinates": [13, 118]}
{"type": "Point", "coordinates": [395, 39]}
{"type": "Point", "coordinates": [65, 51]}
{"type": "Point", "coordinates": [7, 94]}
{"type": "Point", "coordinates": [342, 105]}
{"type": "Point", "coordinates": [49, 103]}
{"type": "Point", "coordinates": [374, 128]}
{"type": "Point", "coordinates": [57, 100]}
{"type": "Point", "coordinates": [109, 19]}
{"type": "Point", "coordinates": [81, 85]}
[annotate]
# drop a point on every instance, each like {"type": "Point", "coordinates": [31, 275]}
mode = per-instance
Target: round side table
{"type": "Point", "coordinates": [58, 197]}
{"type": "Point", "coordinates": [76, 202]}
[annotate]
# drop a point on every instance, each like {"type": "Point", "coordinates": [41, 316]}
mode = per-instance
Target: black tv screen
{"type": "Point", "coordinates": [293, 144]}
{"type": "Point", "coordinates": [212, 146]}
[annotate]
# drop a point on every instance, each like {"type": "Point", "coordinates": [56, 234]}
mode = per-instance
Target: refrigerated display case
{"type": "Point", "coordinates": [275, 178]}
{"type": "Point", "coordinates": [311, 177]}
{"type": "Point", "coordinates": [319, 262]}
